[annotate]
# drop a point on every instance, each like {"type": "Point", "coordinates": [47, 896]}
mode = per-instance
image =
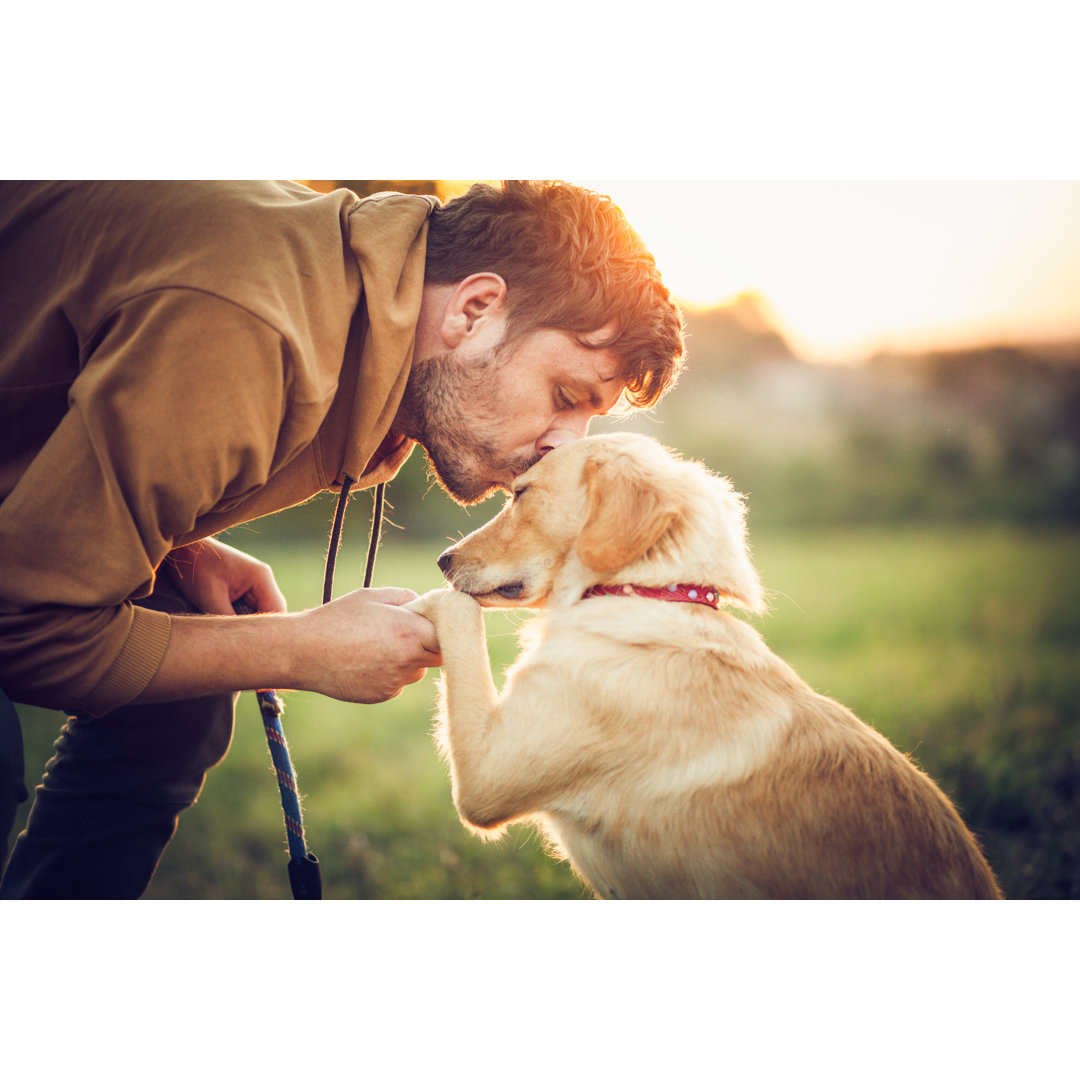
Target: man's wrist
{"type": "Point", "coordinates": [211, 654]}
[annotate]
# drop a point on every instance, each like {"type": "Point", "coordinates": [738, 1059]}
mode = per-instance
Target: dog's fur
{"type": "Point", "coordinates": [662, 747]}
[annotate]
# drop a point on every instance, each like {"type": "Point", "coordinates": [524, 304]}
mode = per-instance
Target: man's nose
{"type": "Point", "coordinates": [566, 433]}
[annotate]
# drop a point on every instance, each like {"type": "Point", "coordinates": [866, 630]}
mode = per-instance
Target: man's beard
{"type": "Point", "coordinates": [461, 458]}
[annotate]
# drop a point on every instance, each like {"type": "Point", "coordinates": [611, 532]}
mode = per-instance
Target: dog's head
{"type": "Point", "coordinates": [607, 510]}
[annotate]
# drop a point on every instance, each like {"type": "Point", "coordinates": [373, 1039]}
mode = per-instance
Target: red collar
{"type": "Point", "coordinates": [708, 595]}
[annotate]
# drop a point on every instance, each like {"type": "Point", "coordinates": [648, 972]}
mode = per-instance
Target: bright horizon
{"type": "Point", "coordinates": [848, 268]}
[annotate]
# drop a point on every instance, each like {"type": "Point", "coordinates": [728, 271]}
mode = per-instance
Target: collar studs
{"type": "Point", "coordinates": [692, 594]}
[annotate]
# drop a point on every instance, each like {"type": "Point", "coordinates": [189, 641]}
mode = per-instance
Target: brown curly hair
{"type": "Point", "coordinates": [571, 262]}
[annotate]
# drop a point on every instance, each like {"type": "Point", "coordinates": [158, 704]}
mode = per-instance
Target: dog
{"type": "Point", "coordinates": [648, 731]}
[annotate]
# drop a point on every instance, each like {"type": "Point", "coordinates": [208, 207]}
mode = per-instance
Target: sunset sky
{"type": "Point", "coordinates": [851, 267]}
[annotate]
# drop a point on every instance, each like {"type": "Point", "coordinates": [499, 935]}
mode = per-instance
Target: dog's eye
{"type": "Point", "coordinates": [520, 491]}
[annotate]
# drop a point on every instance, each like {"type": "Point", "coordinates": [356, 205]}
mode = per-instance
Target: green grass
{"type": "Point", "coordinates": [960, 644]}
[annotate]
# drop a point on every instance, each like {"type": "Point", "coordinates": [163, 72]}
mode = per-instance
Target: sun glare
{"type": "Point", "coordinates": [853, 267]}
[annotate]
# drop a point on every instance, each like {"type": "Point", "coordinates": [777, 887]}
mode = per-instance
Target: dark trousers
{"type": "Point", "coordinates": [111, 795]}
{"type": "Point", "coordinates": [12, 769]}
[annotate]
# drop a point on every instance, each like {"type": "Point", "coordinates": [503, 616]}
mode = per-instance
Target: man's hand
{"type": "Point", "coordinates": [212, 575]}
{"type": "Point", "coordinates": [365, 646]}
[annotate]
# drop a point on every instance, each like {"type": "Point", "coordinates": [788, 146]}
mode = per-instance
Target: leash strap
{"type": "Point", "coordinates": [305, 877]}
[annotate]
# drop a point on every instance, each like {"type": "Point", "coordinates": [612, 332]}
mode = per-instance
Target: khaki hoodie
{"type": "Point", "coordinates": [176, 358]}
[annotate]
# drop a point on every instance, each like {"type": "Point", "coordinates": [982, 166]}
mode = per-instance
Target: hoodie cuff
{"type": "Point", "coordinates": [139, 659]}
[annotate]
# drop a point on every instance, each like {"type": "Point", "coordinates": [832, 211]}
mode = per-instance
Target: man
{"type": "Point", "coordinates": [177, 358]}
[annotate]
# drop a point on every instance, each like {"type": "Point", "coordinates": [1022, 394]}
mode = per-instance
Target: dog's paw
{"type": "Point", "coordinates": [442, 605]}
{"type": "Point", "coordinates": [426, 604]}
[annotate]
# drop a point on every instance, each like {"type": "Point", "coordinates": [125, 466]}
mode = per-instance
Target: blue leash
{"type": "Point", "coordinates": [305, 877]}
{"type": "Point", "coordinates": [304, 874]}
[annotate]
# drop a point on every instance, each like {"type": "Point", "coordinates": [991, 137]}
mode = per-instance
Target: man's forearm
{"type": "Point", "coordinates": [363, 647]}
{"type": "Point", "coordinates": [213, 654]}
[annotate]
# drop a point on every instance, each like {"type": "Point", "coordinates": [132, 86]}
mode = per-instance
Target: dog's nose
{"type": "Point", "coordinates": [445, 559]}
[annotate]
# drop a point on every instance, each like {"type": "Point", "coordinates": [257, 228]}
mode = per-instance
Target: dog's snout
{"type": "Point", "coordinates": [445, 560]}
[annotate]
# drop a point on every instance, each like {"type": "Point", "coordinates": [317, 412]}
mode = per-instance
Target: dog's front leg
{"type": "Point", "coordinates": [459, 622]}
{"type": "Point", "coordinates": [470, 709]}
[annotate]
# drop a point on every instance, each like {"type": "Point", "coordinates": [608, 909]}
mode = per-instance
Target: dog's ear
{"type": "Point", "coordinates": [628, 510]}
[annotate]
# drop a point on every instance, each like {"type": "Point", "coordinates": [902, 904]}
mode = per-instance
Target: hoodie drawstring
{"type": "Point", "coordinates": [335, 537]}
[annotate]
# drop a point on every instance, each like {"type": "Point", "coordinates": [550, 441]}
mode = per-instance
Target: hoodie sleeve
{"type": "Point", "coordinates": [180, 408]}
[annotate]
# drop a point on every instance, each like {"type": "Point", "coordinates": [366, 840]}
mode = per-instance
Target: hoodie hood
{"type": "Point", "coordinates": [387, 234]}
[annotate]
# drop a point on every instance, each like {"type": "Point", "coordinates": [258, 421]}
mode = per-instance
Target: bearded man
{"type": "Point", "coordinates": [178, 358]}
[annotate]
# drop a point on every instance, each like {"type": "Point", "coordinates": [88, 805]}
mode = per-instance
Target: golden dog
{"type": "Point", "coordinates": [653, 737]}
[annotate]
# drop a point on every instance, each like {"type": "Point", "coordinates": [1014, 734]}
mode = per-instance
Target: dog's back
{"type": "Point", "coordinates": [720, 774]}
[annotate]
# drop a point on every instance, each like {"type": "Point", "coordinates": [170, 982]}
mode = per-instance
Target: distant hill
{"type": "Point", "coordinates": [734, 335]}
{"type": "Point", "coordinates": [990, 432]}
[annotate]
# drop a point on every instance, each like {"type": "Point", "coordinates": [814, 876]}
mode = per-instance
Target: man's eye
{"type": "Point", "coordinates": [564, 399]}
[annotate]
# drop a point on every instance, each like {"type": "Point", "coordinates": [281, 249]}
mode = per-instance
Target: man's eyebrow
{"type": "Point", "coordinates": [590, 384]}
{"type": "Point", "coordinates": [595, 400]}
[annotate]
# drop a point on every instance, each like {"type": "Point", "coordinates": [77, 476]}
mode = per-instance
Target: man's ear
{"type": "Point", "coordinates": [628, 511]}
{"type": "Point", "coordinates": [474, 301]}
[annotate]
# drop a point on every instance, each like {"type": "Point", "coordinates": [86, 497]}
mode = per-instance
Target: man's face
{"type": "Point", "coordinates": [485, 415]}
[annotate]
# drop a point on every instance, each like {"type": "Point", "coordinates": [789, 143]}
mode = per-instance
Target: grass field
{"type": "Point", "coordinates": [961, 644]}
